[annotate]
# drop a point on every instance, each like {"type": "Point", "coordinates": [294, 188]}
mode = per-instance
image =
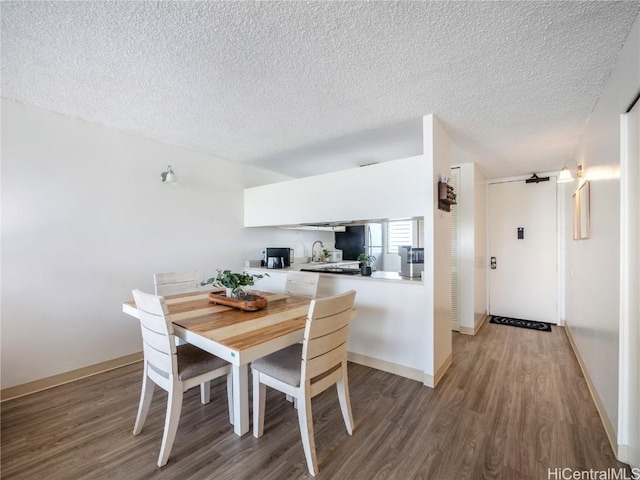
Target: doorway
{"type": "Point", "coordinates": [523, 250]}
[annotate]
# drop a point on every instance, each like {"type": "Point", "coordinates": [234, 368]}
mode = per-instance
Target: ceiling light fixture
{"type": "Point", "coordinates": [169, 177]}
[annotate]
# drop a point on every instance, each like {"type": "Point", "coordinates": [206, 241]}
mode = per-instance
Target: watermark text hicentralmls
{"type": "Point", "coordinates": [591, 474]}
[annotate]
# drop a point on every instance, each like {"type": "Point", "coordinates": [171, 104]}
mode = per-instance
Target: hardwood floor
{"type": "Point", "coordinates": [513, 404]}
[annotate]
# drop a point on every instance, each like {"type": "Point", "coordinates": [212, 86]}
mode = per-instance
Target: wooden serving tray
{"type": "Point", "coordinates": [249, 303]}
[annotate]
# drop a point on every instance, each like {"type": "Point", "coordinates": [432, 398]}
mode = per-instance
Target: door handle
{"type": "Point", "coordinates": [493, 263]}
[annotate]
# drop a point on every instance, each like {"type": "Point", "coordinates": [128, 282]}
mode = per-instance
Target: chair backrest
{"type": "Point", "coordinates": [325, 335]}
{"type": "Point", "coordinates": [157, 332]}
{"type": "Point", "coordinates": [302, 283]}
{"type": "Point", "coordinates": [176, 282]}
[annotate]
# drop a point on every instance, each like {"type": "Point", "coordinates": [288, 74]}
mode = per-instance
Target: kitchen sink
{"type": "Point", "coordinates": [336, 270]}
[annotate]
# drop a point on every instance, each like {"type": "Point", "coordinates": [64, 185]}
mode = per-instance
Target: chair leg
{"type": "Point", "coordinates": [305, 420]}
{"type": "Point", "coordinates": [343, 396]}
{"type": "Point", "coordinates": [145, 401]}
{"type": "Point", "coordinates": [174, 407]}
{"type": "Point", "coordinates": [293, 400]}
{"type": "Point", "coordinates": [259, 401]}
{"type": "Point", "coordinates": [205, 392]}
{"type": "Point", "coordinates": [230, 396]}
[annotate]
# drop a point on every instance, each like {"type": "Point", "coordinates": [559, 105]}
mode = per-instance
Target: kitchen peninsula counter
{"type": "Point", "coordinates": [377, 275]}
{"type": "Point", "coordinates": [388, 333]}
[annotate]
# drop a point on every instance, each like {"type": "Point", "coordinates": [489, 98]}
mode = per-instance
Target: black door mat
{"type": "Point", "coordinates": [516, 322]}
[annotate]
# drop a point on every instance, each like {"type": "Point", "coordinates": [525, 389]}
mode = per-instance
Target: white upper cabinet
{"type": "Point", "coordinates": [395, 189]}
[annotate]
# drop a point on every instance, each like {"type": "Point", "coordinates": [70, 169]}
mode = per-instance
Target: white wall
{"type": "Point", "coordinates": [592, 269]}
{"type": "Point", "coordinates": [410, 190]}
{"type": "Point", "coordinates": [437, 265]}
{"type": "Point", "coordinates": [85, 219]}
{"type": "Point", "coordinates": [391, 190]}
{"type": "Point", "coordinates": [414, 181]}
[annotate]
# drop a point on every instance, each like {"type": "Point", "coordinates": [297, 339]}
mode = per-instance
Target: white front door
{"type": "Point", "coordinates": [522, 250]}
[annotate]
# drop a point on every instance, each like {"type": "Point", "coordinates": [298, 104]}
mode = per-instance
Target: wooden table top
{"type": "Point", "coordinates": [237, 329]}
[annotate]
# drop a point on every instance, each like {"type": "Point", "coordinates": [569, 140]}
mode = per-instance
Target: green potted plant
{"type": "Point", "coordinates": [232, 281]}
{"type": "Point", "coordinates": [365, 264]}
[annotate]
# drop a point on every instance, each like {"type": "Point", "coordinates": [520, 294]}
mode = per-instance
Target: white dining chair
{"type": "Point", "coordinates": [305, 370]}
{"type": "Point", "coordinates": [173, 283]}
{"type": "Point", "coordinates": [302, 283]}
{"type": "Point", "coordinates": [306, 285]}
{"type": "Point", "coordinates": [175, 369]}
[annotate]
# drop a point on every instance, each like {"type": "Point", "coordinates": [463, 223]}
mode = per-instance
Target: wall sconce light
{"type": "Point", "coordinates": [169, 177]}
{"type": "Point", "coordinates": [565, 174]}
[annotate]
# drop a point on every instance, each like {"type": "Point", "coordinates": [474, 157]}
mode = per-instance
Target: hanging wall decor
{"type": "Point", "coordinates": [585, 220]}
{"type": "Point", "coordinates": [581, 212]}
{"type": "Point", "coordinates": [446, 196]}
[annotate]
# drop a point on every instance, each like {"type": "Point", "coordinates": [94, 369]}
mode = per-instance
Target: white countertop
{"type": "Point", "coordinates": [375, 276]}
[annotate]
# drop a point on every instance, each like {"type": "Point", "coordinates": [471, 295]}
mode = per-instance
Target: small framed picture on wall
{"type": "Point", "coordinates": [581, 212]}
{"type": "Point", "coordinates": [585, 220]}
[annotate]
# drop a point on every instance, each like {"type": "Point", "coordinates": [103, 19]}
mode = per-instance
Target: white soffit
{"type": "Point", "coordinates": [283, 85]}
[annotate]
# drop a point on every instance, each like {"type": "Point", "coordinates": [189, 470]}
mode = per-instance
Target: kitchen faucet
{"type": "Point", "coordinates": [313, 249]}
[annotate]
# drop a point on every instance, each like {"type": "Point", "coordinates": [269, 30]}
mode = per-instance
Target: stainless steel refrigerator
{"type": "Point", "coordinates": [359, 239]}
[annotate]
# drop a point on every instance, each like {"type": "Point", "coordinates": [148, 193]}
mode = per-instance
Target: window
{"type": "Point", "coordinates": [399, 233]}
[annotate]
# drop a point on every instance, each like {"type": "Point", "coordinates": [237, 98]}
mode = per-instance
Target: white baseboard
{"type": "Point", "coordinates": [403, 371]}
{"type": "Point", "coordinates": [629, 455]}
{"type": "Point", "coordinates": [623, 453]}
{"type": "Point", "coordinates": [474, 330]}
{"type": "Point", "coordinates": [608, 426]}
{"type": "Point", "coordinates": [433, 380]}
{"type": "Point", "coordinates": [62, 378]}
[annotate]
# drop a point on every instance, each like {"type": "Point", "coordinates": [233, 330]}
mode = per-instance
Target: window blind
{"type": "Point", "coordinates": [399, 233]}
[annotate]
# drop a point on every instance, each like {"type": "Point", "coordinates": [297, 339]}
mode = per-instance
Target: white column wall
{"type": "Point", "coordinates": [480, 247]}
{"type": "Point", "coordinates": [472, 247]}
{"type": "Point", "coordinates": [466, 246]}
{"type": "Point", "coordinates": [437, 262]}
{"type": "Point", "coordinates": [85, 219]}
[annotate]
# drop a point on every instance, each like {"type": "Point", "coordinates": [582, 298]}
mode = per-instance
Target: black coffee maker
{"type": "Point", "coordinates": [278, 258]}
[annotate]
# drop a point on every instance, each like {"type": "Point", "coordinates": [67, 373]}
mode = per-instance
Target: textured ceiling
{"type": "Point", "coordinates": [285, 85]}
